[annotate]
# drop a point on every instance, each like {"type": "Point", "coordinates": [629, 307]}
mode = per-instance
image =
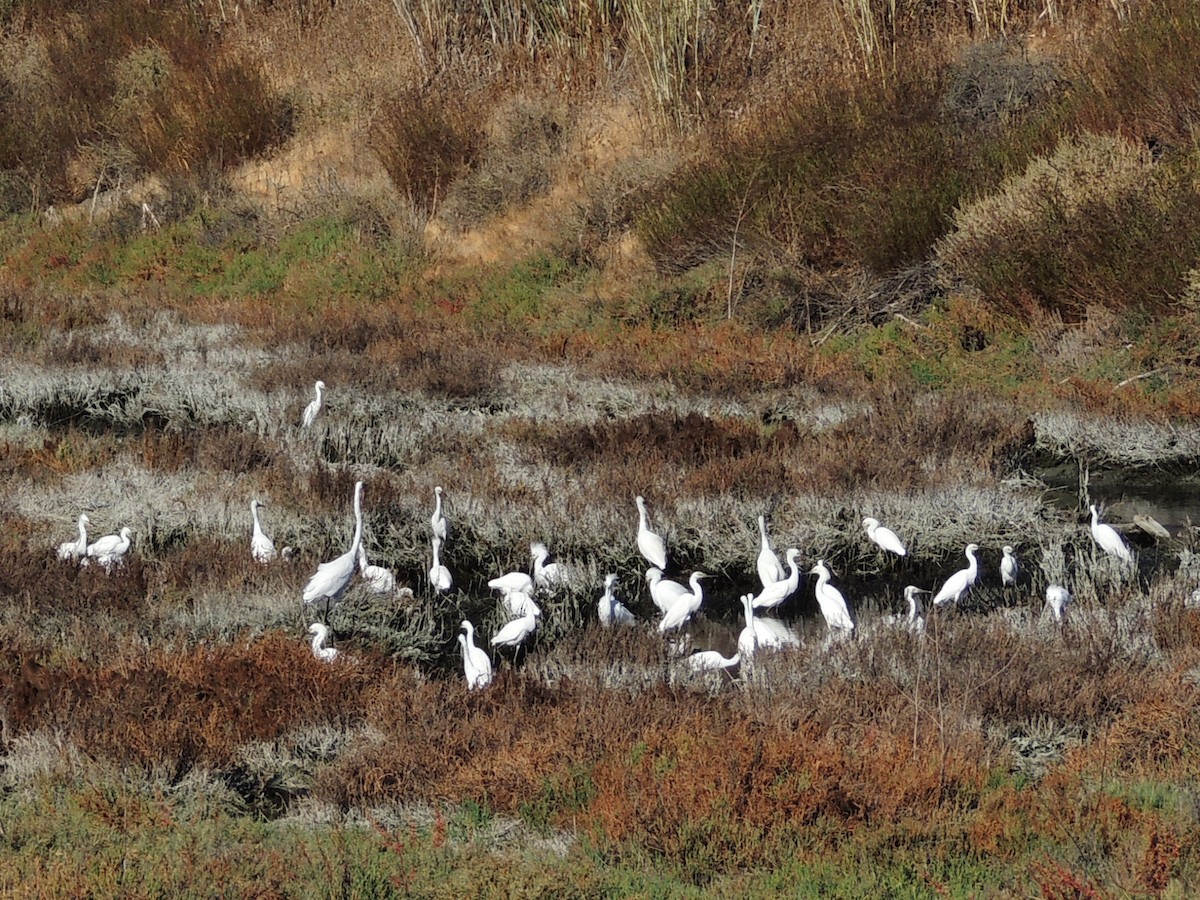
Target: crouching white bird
{"type": "Point", "coordinates": [685, 606]}
{"type": "Point", "coordinates": [1108, 539]}
{"type": "Point", "coordinates": [320, 634]}
{"type": "Point", "coordinates": [515, 633]}
{"type": "Point", "coordinates": [74, 550]}
{"type": "Point", "coordinates": [960, 582]}
{"type": "Point", "coordinates": [833, 605]}
{"type": "Point", "coordinates": [310, 411]}
{"type": "Point", "coordinates": [439, 575]}
{"type": "Point", "coordinates": [710, 661]}
{"type": "Point", "coordinates": [774, 594]}
{"type": "Point", "coordinates": [770, 569]}
{"type": "Point", "coordinates": [884, 536]}
{"type": "Point", "coordinates": [262, 548]}
{"type": "Point", "coordinates": [649, 544]}
{"type": "Point", "coordinates": [512, 581]}
{"type": "Point", "coordinates": [610, 610]}
{"type": "Point", "coordinates": [332, 578]}
{"type": "Point", "coordinates": [377, 579]}
{"type": "Point", "coordinates": [109, 550]}
{"type": "Point", "coordinates": [1009, 567]}
{"type": "Point", "coordinates": [1058, 598]}
{"type": "Point", "coordinates": [549, 576]}
{"type": "Point", "coordinates": [476, 666]}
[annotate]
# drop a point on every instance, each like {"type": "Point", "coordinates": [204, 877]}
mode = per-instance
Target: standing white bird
{"type": "Point", "coordinates": [378, 579]}
{"type": "Point", "coordinates": [547, 576]}
{"type": "Point", "coordinates": [770, 569]}
{"type": "Point", "coordinates": [437, 522]}
{"type": "Point", "coordinates": [74, 550]}
{"type": "Point", "coordinates": [515, 632]}
{"type": "Point", "coordinates": [650, 545]}
{"type": "Point", "coordinates": [686, 606]}
{"type": "Point", "coordinates": [476, 664]}
{"type": "Point", "coordinates": [663, 591]}
{"type": "Point", "coordinates": [262, 548]}
{"type": "Point", "coordinates": [320, 634]}
{"type": "Point", "coordinates": [776, 593]}
{"type": "Point", "coordinates": [520, 603]}
{"type": "Point", "coordinates": [916, 612]}
{"type": "Point", "coordinates": [833, 605]}
{"type": "Point", "coordinates": [332, 578]}
{"type": "Point", "coordinates": [763, 633]}
{"type": "Point", "coordinates": [109, 550]}
{"type": "Point", "coordinates": [439, 575]}
{"type": "Point", "coordinates": [310, 411]}
{"type": "Point", "coordinates": [513, 581]}
{"type": "Point", "coordinates": [1108, 539]}
{"type": "Point", "coordinates": [1058, 598]}
{"type": "Point", "coordinates": [610, 610]}
{"type": "Point", "coordinates": [710, 661]}
{"type": "Point", "coordinates": [960, 582]}
{"type": "Point", "coordinates": [1009, 567]}
{"type": "Point", "coordinates": [884, 536]}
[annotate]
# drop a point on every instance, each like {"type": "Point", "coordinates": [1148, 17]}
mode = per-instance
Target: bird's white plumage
{"type": "Point", "coordinates": [770, 569]}
{"type": "Point", "coordinates": [520, 603]}
{"type": "Point", "coordinates": [437, 522]}
{"type": "Point", "coordinates": [439, 575]}
{"type": "Point", "coordinates": [377, 579]}
{"type": "Point", "coordinates": [884, 536]}
{"type": "Point", "coordinates": [109, 550]}
{"type": "Point", "coordinates": [960, 582]}
{"type": "Point", "coordinates": [320, 634]}
{"type": "Point", "coordinates": [833, 605]}
{"type": "Point", "coordinates": [710, 660]}
{"type": "Point", "coordinates": [262, 548]}
{"type": "Point", "coordinates": [649, 544]}
{"type": "Point", "coordinates": [549, 576]}
{"type": "Point", "coordinates": [310, 411]}
{"type": "Point", "coordinates": [610, 610]}
{"type": "Point", "coordinates": [515, 632]}
{"type": "Point", "coordinates": [1108, 539]}
{"type": "Point", "coordinates": [513, 581]}
{"type": "Point", "coordinates": [774, 594]}
{"type": "Point", "coordinates": [685, 606]}
{"type": "Point", "coordinates": [916, 611]}
{"type": "Point", "coordinates": [76, 549]}
{"type": "Point", "coordinates": [1058, 598]}
{"type": "Point", "coordinates": [476, 665]}
{"type": "Point", "coordinates": [663, 591]}
{"type": "Point", "coordinates": [332, 578]}
{"type": "Point", "coordinates": [1009, 567]}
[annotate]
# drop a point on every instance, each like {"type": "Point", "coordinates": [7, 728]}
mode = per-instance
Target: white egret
{"type": "Point", "coordinates": [663, 591]}
{"type": "Point", "coordinates": [833, 605]}
{"type": "Point", "coordinates": [610, 610]}
{"type": "Point", "coordinates": [960, 582]}
{"type": "Point", "coordinates": [1108, 539]}
{"type": "Point", "coordinates": [439, 575]}
{"type": "Point", "coordinates": [763, 633]}
{"type": "Point", "coordinates": [513, 581]}
{"type": "Point", "coordinates": [262, 548]}
{"type": "Point", "coordinates": [1009, 567]}
{"type": "Point", "coordinates": [332, 578]}
{"type": "Point", "coordinates": [515, 632]}
{"type": "Point", "coordinates": [378, 579]}
{"type": "Point", "coordinates": [916, 611]}
{"type": "Point", "coordinates": [650, 545]}
{"type": "Point", "coordinates": [884, 536]}
{"type": "Point", "coordinates": [776, 593]}
{"type": "Point", "coordinates": [770, 569]}
{"type": "Point", "coordinates": [437, 522]}
{"type": "Point", "coordinates": [310, 411]}
{"type": "Point", "coordinates": [748, 639]}
{"type": "Point", "coordinates": [476, 664]}
{"type": "Point", "coordinates": [685, 606]}
{"type": "Point", "coordinates": [1058, 598]}
{"type": "Point", "coordinates": [547, 576]}
{"type": "Point", "coordinates": [710, 661]}
{"type": "Point", "coordinates": [520, 603]}
{"type": "Point", "coordinates": [73, 550]}
{"type": "Point", "coordinates": [110, 549]}
{"type": "Point", "coordinates": [320, 634]}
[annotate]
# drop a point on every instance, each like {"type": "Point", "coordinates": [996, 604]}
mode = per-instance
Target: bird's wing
{"type": "Point", "coordinates": [331, 578]}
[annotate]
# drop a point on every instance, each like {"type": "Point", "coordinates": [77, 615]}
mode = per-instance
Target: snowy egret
{"type": "Point", "coordinates": [960, 582]}
{"type": "Point", "coordinates": [520, 603]}
{"type": "Point", "coordinates": [332, 578]}
{"type": "Point", "coordinates": [748, 639]}
{"type": "Point", "coordinates": [833, 604]}
{"type": "Point", "coordinates": [515, 632]}
{"type": "Point", "coordinates": [378, 579]}
{"type": "Point", "coordinates": [663, 591]}
{"type": "Point", "coordinates": [310, 411]}
{"type": "Point", "coordinates": [1009, 567]}
{"type": "Point", "coordinates": [1058, 598]}
{"type": "Point", "coordinates": [763, 633]}
{"type": "Point", "coordinates": [710, 661]}
{"type": "Point", "coordinates": [884, 536]}
{"type": "Point", "coordinates": [476, 664]}
{"type": "Point", "coordinates": [73, 550]}
{"type": "Point", "coordinates": [610, 610]}
{"type": "Point", "coordinates": [437, 522]}
{"type": "Point", "coordinates": [439, 575]}
{"type": "Point", "coordinates": [776, 593]}
{"type": "Point", "coordinates": [262, 548]}
{"type": "Point", "coordinates": [685, 606]}
{"type": "Point", "coordinates": [110, 549]}
{"type": "Point", "coordinates": [320, 633]}
{"type": "Point", "coordinates": [650, 545]}
{"type": "Point", "coordinates": [513, 581]}
{"type": "Point", "coordinates": [547, 576]}
{"type": "Point", "coordinates": [916, 612]}
{"type": "Point", "coordinates": [1108, 539]}
{"type": "Point", "coordinates": [770, 569]}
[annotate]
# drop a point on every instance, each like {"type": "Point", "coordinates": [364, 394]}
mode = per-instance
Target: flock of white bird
{"type": "Point", "coordinates": [677, 603]}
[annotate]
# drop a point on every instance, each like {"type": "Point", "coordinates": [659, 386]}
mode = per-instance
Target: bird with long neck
{"type": "Point", "coordinates": [332, 578]}
{"type": "Point", "coordinates": [770, 569]}
{"type": "Point", "coordinates": [262, 548]}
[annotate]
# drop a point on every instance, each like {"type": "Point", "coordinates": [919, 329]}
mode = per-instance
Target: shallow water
{"type": "Point", "coordinates": [1171, 500]}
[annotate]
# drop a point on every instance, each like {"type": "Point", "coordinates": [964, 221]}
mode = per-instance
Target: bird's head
{"type": "Point", "coordinates": [1007, 550]}
{"type": "Point", "coordinates": [320, 385]}
{"type": "Point", "coordinates": [869, 522]}
{"type": "Point", "coordinates": [971, 548]}
{"type": "Point", "coordinates": [653, 574]}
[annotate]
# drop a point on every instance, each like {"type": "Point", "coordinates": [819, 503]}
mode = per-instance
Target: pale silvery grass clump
{"type": "Point", "coordinates": [40, 756]}
{"type": "Point", "coordinates": [1074, 435]}
{"type": "Point", "coordinates": [224, 616]}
